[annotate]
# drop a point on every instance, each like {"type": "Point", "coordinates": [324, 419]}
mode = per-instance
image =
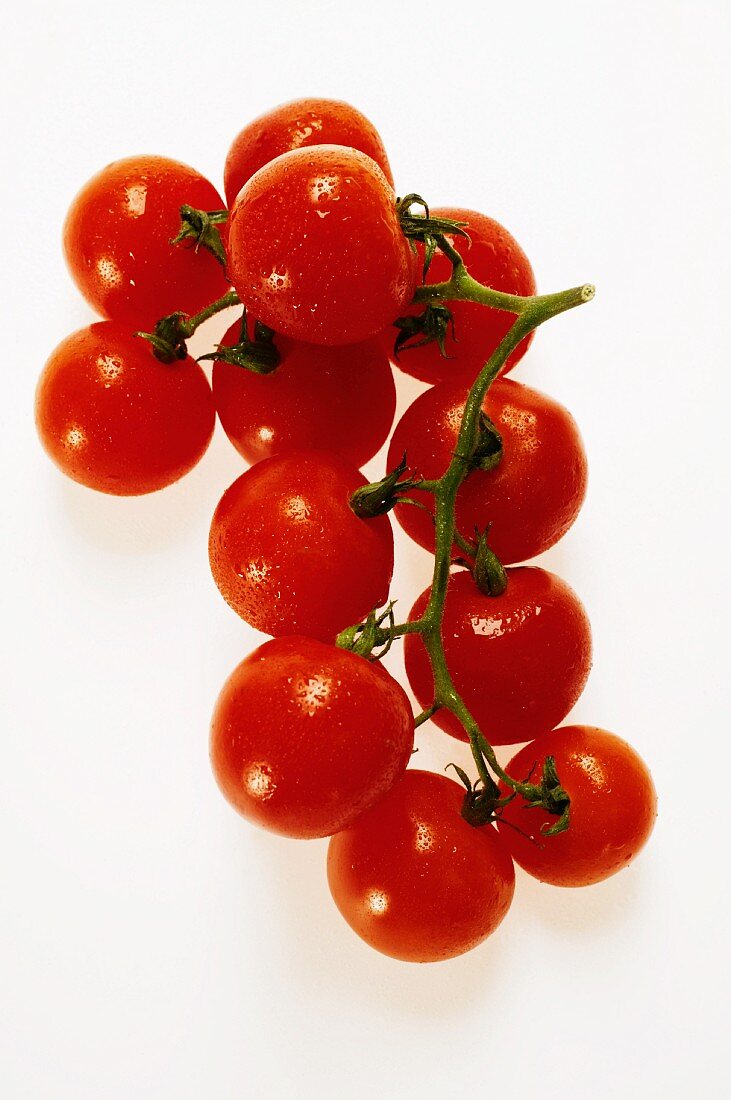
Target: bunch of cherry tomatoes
{"type": "Point", "coordinates": [311, 736]}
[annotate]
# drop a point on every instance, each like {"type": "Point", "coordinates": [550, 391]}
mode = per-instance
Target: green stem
{"type": "Point", "coordinates": [225, 302]}
{"type": "Point", "coordinates": [426, 715]}
{"type": "Point", "coordinates": [462, 287]}
{"type": "Point", "coordinates": [531, 312]}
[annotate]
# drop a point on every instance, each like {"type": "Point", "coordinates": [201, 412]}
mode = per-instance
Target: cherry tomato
{"type": "Point", "coordinates": [613, 808]}
{"type": "Point", "coordinates": [289, 554]}
{"type": "Point", "coordinates": [343, 397]}
{"type": "Point", "coordinates": [519, 661]}
{"type": "Point", "coordinates": [494, 258]}
{"type": "Point", "coordinates": [315, 247]}
{"type": "Point", "coordinates": [530, 498]}
{"type": "Point", "coordinates": [305, 736]}
{"type": "Point", "coordinates": [414, 880]}
{"type": "Point", "coordinates": [113, 417]}
{"type": "Point", "coordinates": [303, 122]}
{"type": "Point", "coordinates": [117, 241]}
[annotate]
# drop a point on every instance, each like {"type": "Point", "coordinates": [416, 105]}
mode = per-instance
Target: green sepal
{"type": "Point", "coordinates": [487, 569]}
{"type": "Point", "coordinates": [430, 231]}
{"type": "Point", "coordinates": [201, 226]}
{"type": "Point", "coordinates": [467, 782]}
{"type": "Point", "coordinates": [363, 638]}
{"type": "Point", "coordinates": [168, 338]}
{"type": "Point", "coordinates": [551, 796]}
{"type": "Point", "coordinates": [429, 327]}
{"type": "Point", "coordinates": [381, 496]}
{"type": "Point", "coordinates": [556, 800]}
{"type": "Point", "coordinates": [488, 450]}
{"type": "Point", "coordinates": [259, 355]}
{"type": "Point", "coordinates": [480, 801]}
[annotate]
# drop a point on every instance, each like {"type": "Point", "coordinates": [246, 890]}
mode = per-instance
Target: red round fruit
{"type": "Point", "coordinates": [315, 247]}
{"type": "Point", "coordinates": [519, 661]}
{"type": "Point", "coordinates": [530, 498]}
{"type": "Point", "coordinates": [115, 418]}
{"type": "Point", "coordinates": [117, 241]}
{"type": "Point", "coordinates": [495, 259]}
{"type": "Point", "coordinates": [289, 554]}
{"type": "Point", "coordinates": [343, 397]}
{"type": "Point", "coordinates": [414, 880]}
{"type": "Point", "coordinates": [306, 737]}
{"type": "Point", "coordinates": [304, 122]}
{"type": "Point", "coordinates": [612, 813]}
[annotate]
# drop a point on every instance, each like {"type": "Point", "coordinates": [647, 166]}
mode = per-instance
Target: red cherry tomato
{"type": "Point", "coordinates": [613, 808]}
{"type": "Point", "coordinates": [494, 258]}
{"type": "Point", "coordinates": [315, 247]}
{"type": "Point", "coordinates": [117, 241]}
{"type": "Point", "coordinates": [342, 397]}
{"type": "Point", "coordinates": [534, 494]}
{"type": "Point", "coordinates": [113, 417]}
{"type": "Point", "coordinates": [294, 125]}
{"type": "Point", "coordinates": [414, 880]}
{"type": "Point", "coordinates": [519, 661]}
{"type": "Point", "coordinates": [289, 554]}
{"type": "Point", "coordinates": [305, 736]}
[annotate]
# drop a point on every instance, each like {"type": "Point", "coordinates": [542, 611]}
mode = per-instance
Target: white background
{"type": "Point", "coordinates": [154, 945]}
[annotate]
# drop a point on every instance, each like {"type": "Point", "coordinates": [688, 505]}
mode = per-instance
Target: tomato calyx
{"type": "Point", "coordinates": [483, 803]}
{"type": "Point", "coordinates": [488, 450]}
{"type": "Point", "coordinates": [380, 497]}
{"type": "Point", "coordinates": [549, 795]}
{"type": "Point", "coordinates": [482, 799]}
{"type": "Point", "coordinates": [259, 355]}
{"type": "Point", "coordinates": [426, 229]}
{"type": "Point", "coordinates": [170, 333]}
{"type": "Point", "coordinates": [482, 562]}
{"type": "Point", "coordinates": [201, 227]}
{"type": "Point", "coordinates": [487, 569]}
{"type": "Point", "coordinates": [168, 338]}
{"type": "Point", "coordinates": [364, 638]}
{"type": "Point", "coordinates": [430, 327]}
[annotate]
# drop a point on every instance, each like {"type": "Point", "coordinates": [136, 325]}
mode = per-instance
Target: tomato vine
{"type": "Point", "coordinates": [531, 312]}
{"type": "Point", "coordinates": [311, 736]}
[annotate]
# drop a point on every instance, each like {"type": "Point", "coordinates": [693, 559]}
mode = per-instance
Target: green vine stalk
{"type": "Point", "coordinates": [530, 313]}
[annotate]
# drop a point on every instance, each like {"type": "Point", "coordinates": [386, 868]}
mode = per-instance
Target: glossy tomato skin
{"type": "Point", "coordinates": [289, 554]}
{"type": "Point", "coordinates": [414, 880]}
{"type": "Point", "coordinates": [519, 661]}
{"type": "Point", "coordinates": [306, 737]}
{"type": "Point", "coordinates": [114, 418]}
{"type": "Point", "coordinates": [494, 258]}
{"type": "Point", "coordinates": [340, 397]}
{"type": "Point", "coordinates": [613, 808]}
{"type": "Point", "coordinates": [295, 125]}
{"type": "Point", "coordinates": [315, 247]}
{"type": "Point", "coordinates": [534, 494]}
{"type": "Point", "coordinates": [117, 241]}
